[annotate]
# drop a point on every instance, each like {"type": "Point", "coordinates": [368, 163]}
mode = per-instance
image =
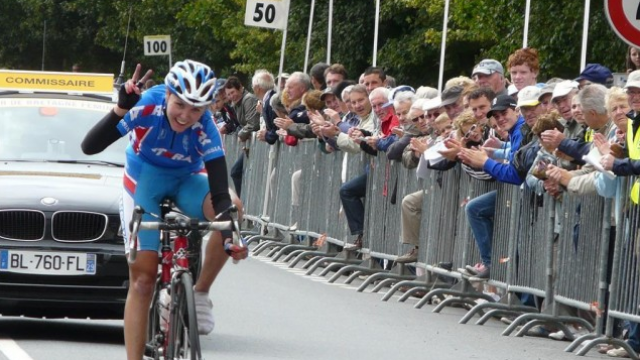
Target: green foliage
{"type": "Point", "coordinates": [93, 33]}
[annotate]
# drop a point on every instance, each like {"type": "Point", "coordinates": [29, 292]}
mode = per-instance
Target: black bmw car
{"type": "Point", "coordinates": [61, 245]}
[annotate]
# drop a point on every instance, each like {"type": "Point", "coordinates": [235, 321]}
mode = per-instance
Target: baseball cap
{"type": "Point", "coordinates": [547, 88]}
{"type": "Point", "coordinates": [502, 102]}
{"type": "Point", "coordinates": [219, 86]}
{"type": "Point", "coordinates": [563, 88]}
{"type": "Point", "coordinates": [284, 75]}
{"type": "Point", "coordinates": [633, 80]}
{"type": "Point", "coordinates": [512, 90]}
{"type": "Point", "coordinates": [451, 95]}
{"type": "Point", "coordinates": [395, 91]}
{"type": "Point", "coordinates": [596, 73]}
{"type": "Point", "coordinates": [488, 67]}
{"type": "Point", "coordinates": [325, 92]}
{"type": "Point", "coordinates": [432, 104]}
{"type": "Point", "coordinates": [529, 96]}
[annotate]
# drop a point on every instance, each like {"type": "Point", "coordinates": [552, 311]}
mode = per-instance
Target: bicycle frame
{"type": "Point", "coordinates": [179, 333]}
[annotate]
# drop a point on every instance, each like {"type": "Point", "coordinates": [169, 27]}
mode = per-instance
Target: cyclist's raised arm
{"type": "Point", "coordinates": [105, 132]}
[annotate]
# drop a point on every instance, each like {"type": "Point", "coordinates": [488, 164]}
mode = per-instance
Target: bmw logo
{"type": "Point", "coordinates": [48, 201]}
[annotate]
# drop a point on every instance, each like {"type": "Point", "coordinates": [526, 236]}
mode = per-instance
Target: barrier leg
{"type": "Point", "coordinates": [501, 309]}
{"type": "Point", "coordinates": [412, 283]}
{"type": "Point", "coordinates": [289, 248]}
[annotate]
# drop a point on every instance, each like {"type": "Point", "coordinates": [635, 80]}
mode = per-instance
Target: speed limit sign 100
{"type": "Point", "coordinates": [157, 45]}
{"type": "Point", "coordinates": [271, 14]}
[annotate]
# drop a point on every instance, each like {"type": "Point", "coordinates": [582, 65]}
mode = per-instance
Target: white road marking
{"type": "Point", "coordinates": [12, 351]}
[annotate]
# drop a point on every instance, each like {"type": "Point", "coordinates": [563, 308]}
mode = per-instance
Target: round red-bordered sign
{"type": "Point", "coordinates": [624, 18]}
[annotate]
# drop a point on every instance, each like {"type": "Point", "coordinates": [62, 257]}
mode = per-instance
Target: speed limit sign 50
{"type": "Point", "coordinates": [157, 45]}
{"type": "Point", "coordinates": [624, 17]}
{"type": "Point", "coordinates": [271, 14]}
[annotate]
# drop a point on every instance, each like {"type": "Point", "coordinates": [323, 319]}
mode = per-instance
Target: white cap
{"type": "Point", "coordinates": [528, 96]}
{"type": "Point", "coordinates": [563, 88]}
{"type": "Point", "coordinates": [633, 80]}
{"type": "Point", "coordinates": [432, 104]}
{"type": "Point", "coordinates": [512, 90]}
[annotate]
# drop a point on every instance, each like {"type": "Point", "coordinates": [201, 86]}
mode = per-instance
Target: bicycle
{"type": "Point", "coordinates": [176, 337]}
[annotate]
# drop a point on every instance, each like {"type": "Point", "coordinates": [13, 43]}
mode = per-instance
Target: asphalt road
{"type": "Point", "coordinates": [265, 311]}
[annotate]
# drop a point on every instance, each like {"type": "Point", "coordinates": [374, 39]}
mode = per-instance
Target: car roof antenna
{"type": "Point", "coordinates": [120, 79]}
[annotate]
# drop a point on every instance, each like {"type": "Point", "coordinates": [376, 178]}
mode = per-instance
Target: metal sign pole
{"type": "Point", "coordinates": [329, 31]}
{"type": "Point", "coordinates": [306, 53]}
{"type": "Point", "coordinates": [527, 13]}
{"type": "Point", "coordinates": [443, 48]}
{"type": "Point", "coordinates": [284, 44]}
{"type": "Point", "coordinates": [585, 34]}
{"type": "Point", "coordinates": [375, 35]}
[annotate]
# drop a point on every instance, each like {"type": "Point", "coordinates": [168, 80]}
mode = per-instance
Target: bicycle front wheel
{"type": "Point", "coordinates": [155, 335]}
{"type": "Point", "coordinates": [184, 340]}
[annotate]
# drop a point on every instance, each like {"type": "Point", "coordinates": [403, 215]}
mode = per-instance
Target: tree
{"type": "Point", "coordinates": [94, 32]}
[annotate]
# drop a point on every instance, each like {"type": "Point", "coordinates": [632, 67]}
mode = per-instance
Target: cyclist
{"type": "Point", "coordinates": [175, 152]}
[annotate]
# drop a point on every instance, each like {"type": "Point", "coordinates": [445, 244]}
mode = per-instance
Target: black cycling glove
{"type": "Point", "coordinates": [127, 101]}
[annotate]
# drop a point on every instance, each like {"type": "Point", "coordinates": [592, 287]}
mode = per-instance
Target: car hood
{"type": "Point", "coordinates": [50, 186]}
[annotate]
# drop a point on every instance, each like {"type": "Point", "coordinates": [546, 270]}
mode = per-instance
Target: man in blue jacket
{"type": "Point", "coordinates": [480, 211]}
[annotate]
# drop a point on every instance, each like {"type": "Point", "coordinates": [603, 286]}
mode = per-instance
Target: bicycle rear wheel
{"type": "Point", "coordinates": [184, 340]}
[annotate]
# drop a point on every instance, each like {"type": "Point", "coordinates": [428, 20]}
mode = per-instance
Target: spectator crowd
{"type": "Point", "coordinates": [503, 123]}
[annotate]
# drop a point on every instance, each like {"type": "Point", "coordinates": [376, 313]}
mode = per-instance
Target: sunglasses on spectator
{"type": "Point", "coordinates": [418, 118]}
{"type": "Point", "coordinates": [433, 115]}
{"type": "Point", "coordinates": [471, 130]}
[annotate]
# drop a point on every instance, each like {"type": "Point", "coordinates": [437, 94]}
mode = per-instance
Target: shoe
{"type": "Point", "coordinates": [557, 335]}
{"type": "Point", "coordinates": [604, 348]}
{"type": "Point", "coordinates": [538, 331]}
{"type": "Point", "coordinates": [447, 265]}
{"type": "Point", "coordinates": [411, 256]}
{"type": "Point", "coordinates": [577, 332]}
{"type": "Point", "coordinates": [357, 244]}
{"type": "Point", "coordinates": [619, 352]}
{"type": "Point", "coordinates": [507, 320]}
{"type": "Point", "coordinates": [204, 312]}
{"type": "Point", "coordinates": [474, 270]}
{"type": "Point", "coordinates": [484, 273]}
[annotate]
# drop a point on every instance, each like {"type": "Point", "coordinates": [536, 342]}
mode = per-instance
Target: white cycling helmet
{"type": "Point", "coordinates": [192, 81]}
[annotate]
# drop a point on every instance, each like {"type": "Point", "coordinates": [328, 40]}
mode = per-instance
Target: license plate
{"type": "Point", "coordinates": [47, 263]}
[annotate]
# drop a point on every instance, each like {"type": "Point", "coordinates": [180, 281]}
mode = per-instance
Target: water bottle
{"type": "Point", "coordinates": [163, 307]}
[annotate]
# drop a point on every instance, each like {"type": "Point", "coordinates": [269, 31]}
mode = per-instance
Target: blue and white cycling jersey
{"type": "Point", "coordinates": [162, 163]}
{"type": "Point", "coordinates": [153, 141]}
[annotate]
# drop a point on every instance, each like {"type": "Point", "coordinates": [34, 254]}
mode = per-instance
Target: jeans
{"type": "Point", "coordinates": [236, 174]}
{"type": "Point", "coordinates": [480, 212]}
{"type": "Point", "coordinates": [351, 194]}
{"type": "Point", "coordinates": [634, 336]}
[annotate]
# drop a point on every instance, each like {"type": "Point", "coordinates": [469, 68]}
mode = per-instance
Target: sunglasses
{"type": "Point", "coordinates": [434, 115]}
{"type": "Point", "coordinates": [418, 118]}
{"type": "Point", "coordinates": [471, 130]}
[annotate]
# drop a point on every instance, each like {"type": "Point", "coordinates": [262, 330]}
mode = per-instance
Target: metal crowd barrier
{"type": "Point", "coordinates": [624, 297]}
{"type": "Point", "coordinates": [522, 247]}
{"type": "Point", "coordinates": [446, 241]}
{"type": "Point", "coordinates": [522, 259]}
{"type": "Point", "coordinates": [388, 183]}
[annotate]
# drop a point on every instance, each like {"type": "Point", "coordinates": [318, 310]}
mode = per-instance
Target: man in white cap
{"type": "Point", "coordinates": [562, 97]}
{"type": "Point", "coordinates": [530, 108]}
{"type": "Point", "coordinates": [490, 73]}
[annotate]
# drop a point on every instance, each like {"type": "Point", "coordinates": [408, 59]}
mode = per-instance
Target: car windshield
{"type": "Point", "coordinates": [46, 129]}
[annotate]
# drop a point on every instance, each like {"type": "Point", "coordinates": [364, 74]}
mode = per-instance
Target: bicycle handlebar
{"type": "Point", "coordinates": [178, 222]}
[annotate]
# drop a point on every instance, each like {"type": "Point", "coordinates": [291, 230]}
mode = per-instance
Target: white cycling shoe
{"type": "Point", "coordinates": [204, 312]}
